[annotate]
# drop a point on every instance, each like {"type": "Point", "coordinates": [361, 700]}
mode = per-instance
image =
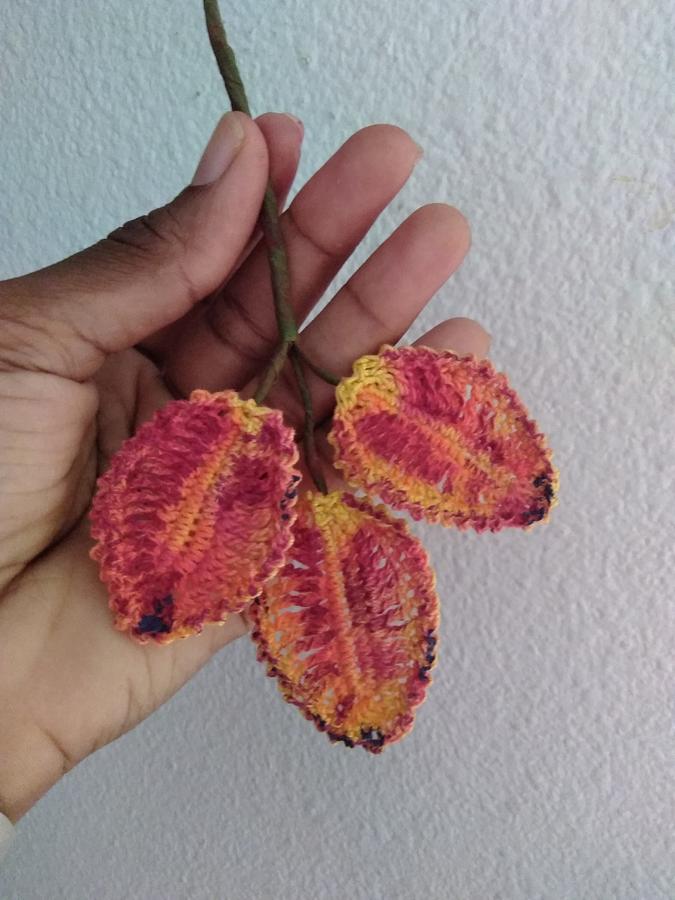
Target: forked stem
{"type": "Point", "coordinates": [322, 373]}
{"type": "Point", "coordinates": [309, 444]}
{"type": "Point", "coordinates": [276, 253]}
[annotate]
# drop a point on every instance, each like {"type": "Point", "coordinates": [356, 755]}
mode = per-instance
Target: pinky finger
{"type": "Point", "coordinates": [463, 336]}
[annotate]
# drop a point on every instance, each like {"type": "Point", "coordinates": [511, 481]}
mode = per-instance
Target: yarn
{"type": "Point", "coordinates": [349, 624]}
{"type": "Point", "coordinates": [194, 514]}
{"type": "Point", "coordinates": [444, 438]}
{"type": "Point", "coordinates": [198, 517]}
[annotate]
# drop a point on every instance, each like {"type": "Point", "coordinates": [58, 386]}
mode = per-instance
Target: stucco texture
{"type": "Point", "coordinates": [541, 764]}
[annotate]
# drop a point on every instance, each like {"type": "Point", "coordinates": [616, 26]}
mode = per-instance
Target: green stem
{"type": "Point", "coordinates": [277, 255]}
{"type": "Point", "coordinates": [227, 62]}
{"type": "Point", "coordinates": [311, 455]}
{"type": "Point", "coordinates": [276, 252]}
{"type": "Point", "coordinates": [320, 372]}
{"type": "Point", "coordinates": [276, 249]}
{"type": "Point", "coordinates": [273, 371]}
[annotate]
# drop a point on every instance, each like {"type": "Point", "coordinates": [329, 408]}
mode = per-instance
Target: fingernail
{"type": "Point", "coordinates": [420, 152]}
{"type": "Point", "coordinates": [221, 150]}
{"type": "Point", "coordinates": [487, 339]}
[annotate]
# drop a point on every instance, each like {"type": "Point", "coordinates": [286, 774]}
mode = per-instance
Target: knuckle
{"type": "Point", "coordinates": [34, 344]}
{"type": "Point", "coordinates": [234, 326]}
{"type": "Point", "coordinates": [158, 237]}
{"type": "Point", "coordinates": [35, 334]}
{"type": "Point", "coordinates": [156, 233]}
{"type": "Point", "coordinates": [364, 309]}
{"type": "Point", "coordinates": [28, 340]}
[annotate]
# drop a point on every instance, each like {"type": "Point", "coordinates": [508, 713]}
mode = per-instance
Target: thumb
{"type": "Point", "coordinates": [65, 318]}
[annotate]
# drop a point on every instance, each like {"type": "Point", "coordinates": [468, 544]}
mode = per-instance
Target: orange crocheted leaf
{"type": "Point", "coordinates": [194, 514]}
{"type": "Point", "coordinates": [444, 438]}
{"type": "Point", "coordinates": [349, 625]}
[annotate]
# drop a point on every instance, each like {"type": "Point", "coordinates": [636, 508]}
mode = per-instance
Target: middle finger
{"type": "Point", "coordinates": [225, 345]}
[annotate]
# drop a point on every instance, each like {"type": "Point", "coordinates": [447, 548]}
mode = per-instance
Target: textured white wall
{"type": "Point", "coordinates": [541, 765]}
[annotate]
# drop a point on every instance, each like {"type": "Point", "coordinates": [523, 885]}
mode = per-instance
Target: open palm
{"type": "Point", "coordinates": [92, 347]}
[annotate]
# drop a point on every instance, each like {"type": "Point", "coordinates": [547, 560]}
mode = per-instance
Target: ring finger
{"type": "Point", "coordinates": [378, 303]}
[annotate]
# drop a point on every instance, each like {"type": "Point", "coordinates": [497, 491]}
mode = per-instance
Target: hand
{"type": "Point", "coordinates": [91, 347]}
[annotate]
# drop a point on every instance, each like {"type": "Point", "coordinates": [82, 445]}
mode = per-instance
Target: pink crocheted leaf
{"type": "Point", "coordinates": [444, 438]}
{"type": "Point", "coordinates": [349, 625]}
{"type": "Point", "coordinates": [194, 514]}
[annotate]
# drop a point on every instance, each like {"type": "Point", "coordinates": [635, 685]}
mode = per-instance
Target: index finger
{"type": "Point", "coordinates": [236, 334]}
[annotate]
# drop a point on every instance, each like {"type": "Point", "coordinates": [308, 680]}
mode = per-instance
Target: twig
{"type": "Point", "coordinates": [311, 455]}
{"type": "Point", "coordinates": [277, 255]}
{"type": "Point", "coordinates": [319, 371]}
{"type": "Point", "coordinates": [276, 249]}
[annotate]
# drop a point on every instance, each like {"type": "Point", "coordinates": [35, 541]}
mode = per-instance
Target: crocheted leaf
{"type": "Point", "coordinates": [194, 514]}
{"type": "Point", "coordinates": [444, 438]}
{"type": "Point", "coordinates": [349, 625]}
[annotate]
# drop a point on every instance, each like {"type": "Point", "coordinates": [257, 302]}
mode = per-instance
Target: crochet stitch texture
{"type": "Point", "coordinates": [444, 438]}
{"type": "Point", "coordinates": [196, 517]}
{"type": "Point", "coordinates": [194, 514]}
{"type": "Point", "coordinates": [349, 625]}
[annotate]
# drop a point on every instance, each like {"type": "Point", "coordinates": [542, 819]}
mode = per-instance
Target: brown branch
{"type": "Point", "coordinates": [311, 455]}
{"type": "Point", "coordinates": [319, 371]}
{"type": "Point", "coordinates": [271, 226]}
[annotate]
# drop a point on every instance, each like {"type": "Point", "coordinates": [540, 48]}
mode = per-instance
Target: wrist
{"type": "Point", "coordinates": [29, 765]}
